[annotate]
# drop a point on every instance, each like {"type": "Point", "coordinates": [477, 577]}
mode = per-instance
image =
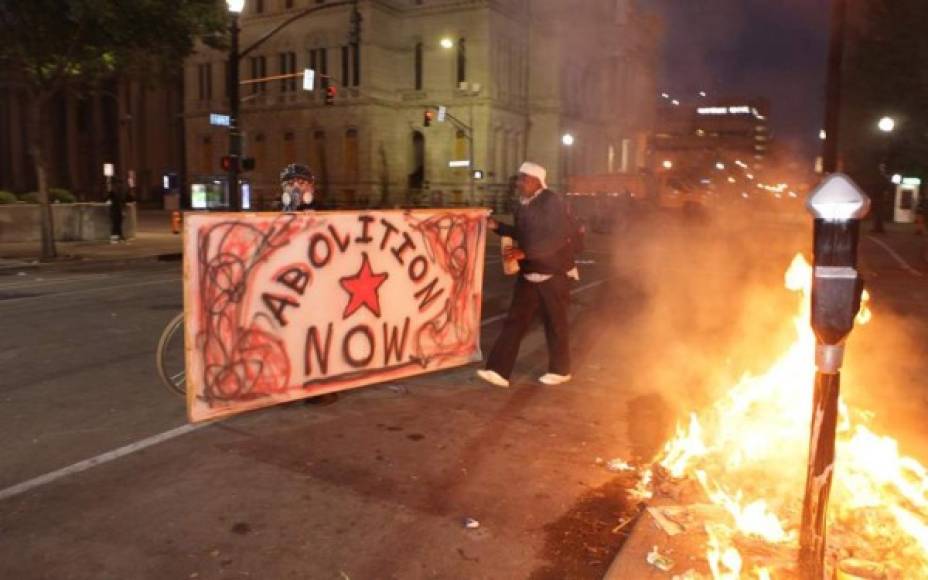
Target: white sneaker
{"type": "Point", "coordinates": [552, 379]}
{"type": "Point", "coordinates": [493, 377]}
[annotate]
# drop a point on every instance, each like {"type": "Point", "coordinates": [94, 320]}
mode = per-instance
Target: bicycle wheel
{"type": "Point", "coordinates": [169, 358]}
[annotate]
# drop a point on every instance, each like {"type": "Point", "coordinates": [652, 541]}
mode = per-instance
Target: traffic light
{"type": "Point", "coordinates": [228, 162]}
{"type": "Point", "coordinates": [427, 118]}
{"type": "Point", "coordinates": [330, 92]}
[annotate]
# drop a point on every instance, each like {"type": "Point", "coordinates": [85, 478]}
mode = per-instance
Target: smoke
{"type": "Point", "coordinates": [703, 302]}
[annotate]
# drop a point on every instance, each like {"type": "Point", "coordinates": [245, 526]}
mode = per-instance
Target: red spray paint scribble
{"type": "Point", "coordinates": [452, 241]}
{"type": "Point", "coordinates": [240, 362]}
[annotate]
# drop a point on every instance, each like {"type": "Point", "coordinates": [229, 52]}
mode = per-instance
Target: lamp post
{"type": "Point", "coordinates": [567, 140]}
{"type": "Point", "coordinates": [235, 132]}
{"type": "Point", "coordinates": [886, 126]}
{"type": "Point", "coordinates": [837, 206]}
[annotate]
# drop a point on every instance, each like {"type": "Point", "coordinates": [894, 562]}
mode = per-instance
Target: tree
{"type": "Point", "coordinates": [884, 76]}
{"type": "Point", "coordinates": [51, 46]}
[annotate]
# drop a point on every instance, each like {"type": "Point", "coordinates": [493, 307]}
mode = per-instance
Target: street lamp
{"type": "Point", "coordinates": [567, 140]}
{"type": "Point", "coordinates": [446, 43]}
{"type": "Point", "coordinates": [235, 132]}
{"type": "Point", "coordinates": [886, 125]}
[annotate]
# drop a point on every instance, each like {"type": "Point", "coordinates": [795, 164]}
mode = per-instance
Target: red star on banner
{"type": "Point", "coordinates": [362, 287]}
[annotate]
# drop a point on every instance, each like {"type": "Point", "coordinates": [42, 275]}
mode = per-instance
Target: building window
{"type": "Point", "coordinates": [351, 156]}
{"type": "Point", "coordinates": [355, 65]}
{"type": "Point", "coordinates": [259, 6]}
{"type": "Point", "coordinates": [205, 81]}
{"type": "Point", "coordinates": [346, 59]}
{"type": "Point", "coordinates": [461, 151]}
{"type": "Point", "coordinates": [417, 58]}
{"type": "Point", "coordinates": [289, 148]}
{"type": "Point", "coordinates": [462, 60]}
{"type": "Point", "coordinates": [258, 71]}
{"type": "Point", "coordinates": [318, 61]}
{"type": "Point", "coordinates": [287, 66]}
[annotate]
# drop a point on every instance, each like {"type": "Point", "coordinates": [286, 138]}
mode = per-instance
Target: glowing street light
{"type": "Point", "coordinates": [887, 124]}
{"type": "Point", "coordinates": [720, 166]}
{"type": "Point", "coordinates": [446, 43]}
{"type": "Point", "coordinates": [567, 139]}
{"type": "Point", "coordinates": [822, 134]}
{"type": "Point", "coordinates": [667, 164]}
{"type": "Point", "coordinates": [235, 6]}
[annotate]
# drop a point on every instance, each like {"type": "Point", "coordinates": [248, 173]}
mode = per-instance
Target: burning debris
{"type": "Point", "coordinates": [746, 455]}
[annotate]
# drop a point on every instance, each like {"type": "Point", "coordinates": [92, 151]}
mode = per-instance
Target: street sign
{"type": "Point", "coordinates": [459, 163]}
{"type": "Point", "coordinates": [309, 79]}
{"type": "Point", "coordinates": [442, 111]}
{"type": "Point", "coordinates": [220, 120]}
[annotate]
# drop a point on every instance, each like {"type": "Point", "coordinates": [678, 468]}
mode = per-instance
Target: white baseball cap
{"type": "Point", "coordinates": [536, 171]}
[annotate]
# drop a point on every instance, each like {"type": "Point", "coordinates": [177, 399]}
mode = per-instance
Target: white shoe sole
{"type": "Point", "coordinates": [552, 380]}
{"type": "Point", "coordinates": [493, 378]}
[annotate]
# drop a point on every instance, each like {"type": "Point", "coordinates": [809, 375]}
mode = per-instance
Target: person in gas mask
{"type": "Point", "coordinates": [299, 188]}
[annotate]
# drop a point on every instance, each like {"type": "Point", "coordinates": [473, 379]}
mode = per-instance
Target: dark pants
{"type": "Point", "coordinates": [551, 297]}
{"type": "Point", "coordinates": [116, 222]}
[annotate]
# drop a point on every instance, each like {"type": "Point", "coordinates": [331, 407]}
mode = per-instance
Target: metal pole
{"type": "Point", "coordinates": [235, 135]}
{"type": "Point", "coordinates": [473, 165]}
{"type": "Point", "coordinates": [819, 475]}
{"type": "Point", "coordinates": [833, 86]}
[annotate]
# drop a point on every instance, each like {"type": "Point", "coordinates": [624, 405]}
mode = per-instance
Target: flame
{"type": "Point", "coordinates": [745, 453]}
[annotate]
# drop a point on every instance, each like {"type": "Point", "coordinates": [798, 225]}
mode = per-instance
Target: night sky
{"type": "Point", "coordinates": [741, 48]}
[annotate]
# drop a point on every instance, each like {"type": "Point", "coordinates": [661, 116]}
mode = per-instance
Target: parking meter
{"type": "Point", "coordinates": [837, 206]}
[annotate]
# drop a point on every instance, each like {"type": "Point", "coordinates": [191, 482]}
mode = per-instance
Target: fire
{"type": "Point", "coordinates": [748, 453]}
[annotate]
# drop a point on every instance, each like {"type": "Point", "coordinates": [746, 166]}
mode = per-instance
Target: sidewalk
{"type": "Point", "coordinates": [901, 239]}
{"type": "Point", "coordinates": [153, 240]}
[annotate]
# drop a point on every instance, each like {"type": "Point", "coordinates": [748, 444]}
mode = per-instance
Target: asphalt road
{"type": "Point", "coordinates": [378, 484]}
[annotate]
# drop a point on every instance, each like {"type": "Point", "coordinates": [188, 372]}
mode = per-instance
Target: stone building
{"type": "Point", "coordinates": [135, 125]}
{"type": "Point", "coordinates": [514, 77]}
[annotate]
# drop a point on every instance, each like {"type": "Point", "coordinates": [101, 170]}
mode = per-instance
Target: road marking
{"type": "Point", "coordinates": [98, 460]}
{"type": "Point", "coordinates": [89, 290]}
{"type": "Point", "coordinates": [905, 265]}
{"type": "Point", "coordinates": [46, 281]}
{"type": "Point", "coordinates": [53, 476]}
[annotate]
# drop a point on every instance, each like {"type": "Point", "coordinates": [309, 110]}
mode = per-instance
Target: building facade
{"type": "Point", "coordinates": [133, 124]}
{"type": "Point", "coordinates": [513, 76]}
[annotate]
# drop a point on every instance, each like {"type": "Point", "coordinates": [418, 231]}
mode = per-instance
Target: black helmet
{"type": "Point", "coordinates": [295, 170]}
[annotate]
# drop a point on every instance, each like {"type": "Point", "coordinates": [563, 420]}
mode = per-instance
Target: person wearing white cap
{"type": "Point", "coordinates": [544, 231]}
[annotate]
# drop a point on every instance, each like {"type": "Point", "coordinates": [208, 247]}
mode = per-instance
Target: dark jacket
{"type": "Point", "coordinates": [542, 230]}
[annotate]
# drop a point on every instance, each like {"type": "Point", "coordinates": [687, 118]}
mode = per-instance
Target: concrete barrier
{"type": "Point", "coordinates": [72, 222]}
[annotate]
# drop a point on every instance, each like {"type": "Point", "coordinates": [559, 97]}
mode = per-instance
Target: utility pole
{"type": "Point", "coordinates": [833, 86]}
{"type": "Point", "coordinates": [235, 132]}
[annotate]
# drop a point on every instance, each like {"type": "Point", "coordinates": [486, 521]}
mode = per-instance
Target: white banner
{"type": "Point", "coordinates": [287, 306]}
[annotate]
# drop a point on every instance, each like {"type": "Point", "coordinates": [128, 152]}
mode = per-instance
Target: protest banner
{"type": "Point", "coordinates": [281, 307]}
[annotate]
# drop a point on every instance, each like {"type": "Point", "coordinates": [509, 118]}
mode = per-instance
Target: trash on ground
{"type": "Point", "coordinates": [622, 523]}
{"type": "Point", "coordinates": [400, 389]}
{"type": "Point", "coordinates": [618, 465]}
{"type": "Point", "coordinates": [471, 523]}
{"type": "Point", "coordinates": [659, 561]}
{"type": "Point", "coordinates": [665, 522]}
{"type": "Point", "coordinates": [20, 273]}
